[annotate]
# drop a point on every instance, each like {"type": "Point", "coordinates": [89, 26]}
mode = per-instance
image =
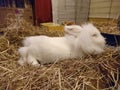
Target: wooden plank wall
{"type": "Point", "coordinates": [63, 10]}
{"type": "Point", "coordinates": [82, 11]}
{"type": "Point", "coordinates": [104, 8]}
{"type": "Point", "coordinates": [70, 10]}
{"type": "Point", "coordinates": [66, 11]}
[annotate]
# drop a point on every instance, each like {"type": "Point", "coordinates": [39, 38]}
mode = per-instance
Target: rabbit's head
{"type": "Point", "coordinates": [89, 40]}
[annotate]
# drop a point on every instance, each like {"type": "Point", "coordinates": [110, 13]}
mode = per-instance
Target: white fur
{"type": "Point", "coordinates": [72, 30]}
{"type": "Point", "coordinates": [77, 42]}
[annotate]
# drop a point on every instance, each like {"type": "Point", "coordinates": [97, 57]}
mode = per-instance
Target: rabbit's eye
{"type": "Point", "coordinates": [94, 35]}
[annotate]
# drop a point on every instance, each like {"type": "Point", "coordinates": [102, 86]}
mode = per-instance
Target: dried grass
{"type": "Point", "coordinates": [100, 72]}
{"type": "Point", "coordinates": [108, 27]}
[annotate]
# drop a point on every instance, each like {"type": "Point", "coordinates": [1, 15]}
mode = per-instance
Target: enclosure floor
{"type": "Point", "coordinates": [94, 72]}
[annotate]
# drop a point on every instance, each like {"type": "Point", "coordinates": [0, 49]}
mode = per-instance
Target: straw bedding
{"type": "Point", "coordinates": [100, 72]}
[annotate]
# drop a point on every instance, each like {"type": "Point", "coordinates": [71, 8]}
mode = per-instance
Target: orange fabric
{"type": "Point", "coordinates": [43, 11]}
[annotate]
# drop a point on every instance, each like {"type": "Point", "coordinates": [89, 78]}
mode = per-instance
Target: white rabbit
{"type": "Point", "coordinates": [77, 42]}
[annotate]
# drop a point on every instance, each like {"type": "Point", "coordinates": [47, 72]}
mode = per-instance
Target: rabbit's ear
{"type": "Point", "coordinates": [73, 30]}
